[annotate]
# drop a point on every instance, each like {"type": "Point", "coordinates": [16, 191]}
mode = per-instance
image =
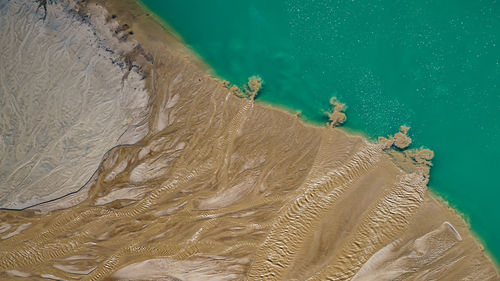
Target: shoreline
{"type": "Point", "coordinates": [192, 54]}
{"type": "Point", "coordinates": [465, 219]}
{"type": "Point", "coordinates": [249, 160]}
{"type": "Point", "coordinates": [199, 60]}
{"type": "Point", "coordinates": [354, 132]}
{"type": "Point", "coordinates": [177, 38]}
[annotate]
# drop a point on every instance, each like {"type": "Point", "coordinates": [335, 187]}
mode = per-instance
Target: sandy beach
{"type": "Point", "coordinates": [188, 181]}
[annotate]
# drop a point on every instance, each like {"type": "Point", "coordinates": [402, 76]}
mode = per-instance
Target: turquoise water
{"type": "Point", "coordinates": [432, 65]}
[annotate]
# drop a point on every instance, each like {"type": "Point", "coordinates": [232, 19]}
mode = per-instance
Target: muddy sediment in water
{"type": "Point", "coordinates": [221, 188]}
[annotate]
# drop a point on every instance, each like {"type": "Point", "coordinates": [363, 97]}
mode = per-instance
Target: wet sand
{"type": "Point", "coordinates": [221, 188]}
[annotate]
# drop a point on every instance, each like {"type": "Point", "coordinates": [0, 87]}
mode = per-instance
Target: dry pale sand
{"type": "Point", "coordinates": [221, 188]}
{"type": "Point", "coordinates": [65, 100]}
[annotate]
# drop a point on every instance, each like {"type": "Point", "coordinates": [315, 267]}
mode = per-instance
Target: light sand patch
{"type": "Point", "coordinates": [167, 269]}
{"type": "Point", "coordinates": [66, 99]}
{"type": "Point", "coordinates": [17, 231]}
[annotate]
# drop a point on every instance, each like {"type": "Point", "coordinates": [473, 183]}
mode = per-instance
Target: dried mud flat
{"type": "Point", "coordinates": [216, 187]}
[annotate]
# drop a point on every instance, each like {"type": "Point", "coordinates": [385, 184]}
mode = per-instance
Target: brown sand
{"type": "Point", "coordinates": [337, 116]}
{"type": "Point", "coordinates": [224, 189]}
